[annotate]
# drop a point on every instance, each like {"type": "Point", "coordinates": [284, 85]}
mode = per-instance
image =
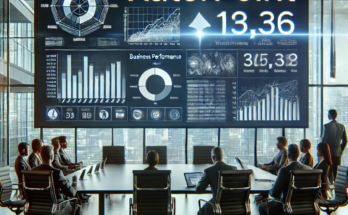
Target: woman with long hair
{"type": "Point", "coordinates": [324, 164]}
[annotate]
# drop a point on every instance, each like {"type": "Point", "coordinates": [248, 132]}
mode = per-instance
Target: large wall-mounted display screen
{"type": "Point", "coordinates": [171, 63]}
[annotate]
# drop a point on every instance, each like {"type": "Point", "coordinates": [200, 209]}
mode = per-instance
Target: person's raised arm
{"type": "Point", "coordinates": [203, 183]}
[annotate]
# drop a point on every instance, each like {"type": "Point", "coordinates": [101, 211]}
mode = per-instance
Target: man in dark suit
{"type": "Point", "coordinates": [281, 185]}
{"type": "Point", "coordinates": [61, 184]}
{"type": "Point", "coordinates": [21, 163]}
{"type": "Point", "coordinates": [152, 158]}
{"type": "Point", "coordinates": [35, 158]}
{"type": "Point", "coordinates": [334, 134]}
{"type": "Point", "coordinates": [306, 157]}
{"type": "Point", "coordinates": [211, 177]}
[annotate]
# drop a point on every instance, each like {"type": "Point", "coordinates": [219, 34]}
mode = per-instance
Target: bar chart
{"type": "Point", "coordinates": [91, 82]}
{"type": "Point", "coordinates": [274, 102]}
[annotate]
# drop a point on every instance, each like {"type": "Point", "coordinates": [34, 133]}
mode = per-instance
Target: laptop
{"type": "Point", "coordinates": [192, 178]}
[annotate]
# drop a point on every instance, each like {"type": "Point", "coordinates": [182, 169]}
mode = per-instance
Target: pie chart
{"type": "Point", "coordinates": [163, 92]}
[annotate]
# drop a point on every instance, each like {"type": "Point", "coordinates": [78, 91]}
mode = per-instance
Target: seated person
{"type": "Point", "coordinates": [211, 177]}
{"type": "Point", "coordinates": [306, 157]}
{"type": "Point", "coordinates": [323, 150]}
{"type": "Point", "coordinates": [279, 160]}
{"type": "Point", "coordinates": [35, 157]}
{"type": "Point", "coordinates": [57, 159]}
{"type": "Point", "coordinates": [61, 184]}
{"type": "Point", "coordinates": [65, 159]}
{"type": "Point", "coordinates": [152, 158]}
{"type": "Point", "coordinates": [21, 163]}
{"type": "Point", "coordinates": [281, 185]}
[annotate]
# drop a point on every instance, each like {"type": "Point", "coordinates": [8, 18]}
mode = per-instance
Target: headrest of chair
{"type": "Point", "coordinates": [306, 172]}
{"type": "Point", "coordinates": [151, 172]}
{"type": "Point", "coordinates": [38, 173]}
{"type": "Point", "coordinates": [343, 169]}
{"type": "Point", "coordinates": [235, 172]}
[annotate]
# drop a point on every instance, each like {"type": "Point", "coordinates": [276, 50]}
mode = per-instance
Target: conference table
{"type": "Point", "coordinates": [118, 179]}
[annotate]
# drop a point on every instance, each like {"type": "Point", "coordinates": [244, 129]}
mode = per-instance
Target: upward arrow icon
{"type": "Point", "coordinates": [199, 23]}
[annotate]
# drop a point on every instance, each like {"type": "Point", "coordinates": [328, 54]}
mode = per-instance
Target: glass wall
{"type": "Point", "coordinates": [328, 88]}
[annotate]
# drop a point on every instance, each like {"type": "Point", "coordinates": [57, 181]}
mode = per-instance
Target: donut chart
{"type": "Point", "coordinates": [167, 82]}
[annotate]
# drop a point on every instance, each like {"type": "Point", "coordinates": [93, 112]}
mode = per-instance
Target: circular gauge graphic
{"type": "Point", "coordinates": [52, 114]}
{"type": "Point", "coordinates": [174, 114]}
{"type": "Point", "coordinates": [138, 114]}
{"type": "Point", "coordinates": [156, 114]}
{"type": "Point", "coordinates": [167, 84]}
{"type": "Point", "coordinates": [103, 114]}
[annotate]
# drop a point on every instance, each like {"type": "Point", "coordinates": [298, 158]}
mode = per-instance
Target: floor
{"type": "Point", "coordinates": [119, 205]}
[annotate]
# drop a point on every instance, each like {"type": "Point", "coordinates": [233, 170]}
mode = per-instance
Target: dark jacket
{"type": "Point", "coordinates": [61, 184]}
{"type": "Point", "coordinates": [34, 160]}
{"type": "Point", "coordinates": [151, 168]}
{"type": "Point", "coordinates": [281, 185]}
{"type": "Point", "coordinates": [335, 134]}
{"type": "Point", "coordinates": [211, 177]}
{"type": "Point", "coordinates": [21, 164]}
{"type": "Point", "coordinates": [64, 157]}
{"type": "Point", "coordinates": [307, 160]}
{"type": "Point", "coordinates": [57, 162]}
{"type": "Point", "coordinates": [323, 165]}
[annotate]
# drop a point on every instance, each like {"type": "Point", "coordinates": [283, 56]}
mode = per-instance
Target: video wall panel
{"type": "Point", "coordinates": [174, 63]}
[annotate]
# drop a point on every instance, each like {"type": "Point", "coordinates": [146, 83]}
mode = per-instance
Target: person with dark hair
{"type": "Point", "coordinates": [21, 163]}
{"type": "Point", "coordinates": [306, 157]}
{"type": "Point", "coordinates": [35, 159]}
{"type": "Point", "coordinates": [64, 157]}
{"type": "Point", "coordinates": [57, 159]}
{"type": "Point", "coordinates": [334, 134]}
{"type": "Point", "coordinates": [152, 158]}
{"type": "Point", "coordinates": [280, 187]}
{"type": "Point", "coordinates": [211, 177]}
{"type": "Point", "coordinates": [324, 164]}
{"type": "Point", "coordinates": [61, 184]}
{"type": "Point", "coordinates": [279, 160]}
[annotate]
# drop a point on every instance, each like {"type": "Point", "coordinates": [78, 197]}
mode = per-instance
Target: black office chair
{"type": "Point", "coordinates": [233, 193]}
{"type": "Point", "coordinates": [162, 152]}
{"type": "Point", "coordinates": [6, 188]}
{"type": "Point", "coordinates": [40, 193]}
{"type": "Point", "coordinates": [303, 193]}
{"type": "Point", "coordinates": [341, 194]}
{"type": "Point", "coordinates": [202, 154]}
{"type": "Point", "coordinates": [152, 193]}
{"type": "Point", "coordinates": [115, 154]}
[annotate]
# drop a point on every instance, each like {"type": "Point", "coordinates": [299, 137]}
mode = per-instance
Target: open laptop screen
{"type": "Point", "coordinates": [192, 178]}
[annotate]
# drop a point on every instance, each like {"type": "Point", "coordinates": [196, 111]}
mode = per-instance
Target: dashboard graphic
{"type": "Point", "coordinates": [79, 17]}
{"type": "Point", "coordinates": [152, 24]}
{"type": "Point", "coordinates": [171, 64]}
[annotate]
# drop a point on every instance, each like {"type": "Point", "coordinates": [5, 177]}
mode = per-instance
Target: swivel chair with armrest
{"type": "Point", "coordinates": [6, 188]}
{"type": "Point", "coordinates": [152, 193]}
{"type": "Point", "coordinates": [233, 193]}
{"type": "Point", "coordinates": [40, 194]}
{"type": "Point", "coordinates": [303, 193]}
{"type": "Point", "coordinates": [341, 195]}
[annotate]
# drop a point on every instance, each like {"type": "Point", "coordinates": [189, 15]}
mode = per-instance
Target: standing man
{"type": "Point", "coordinates": [211, 177]}
{"type": "Point", "coordinates": [334, 134]}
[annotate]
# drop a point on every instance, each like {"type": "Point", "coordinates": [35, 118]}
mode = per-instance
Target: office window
{"type": "Point", "coordinates": [267, 144]}
{"type": "Point", "coordinates": [314, 41]}
{"type": "Point", "coordinates": [49, 133]}
{"type": "Point", "coordinates": [337, 98]}
{"type": "Point", "coordinates": [21, 119]}
{"type": "Point", "coordinates": [174, 139]}
{"type": "Point", "coordinates": [294, 135]}
{"type": "Point", "coordinates": [90, 142]}
{"type": "Point", "coordinates": [132, 140]}
{"type": "Point", "coordinates": [3, 126]}
{"type": "Point", "coordinates": [238, 142]}
{"type": "Point", "coordinates": [201, 137]}
{"type": "Point", "coordinates": [313, 132]}
{"type": "Point", "coordinates": [341, 46]}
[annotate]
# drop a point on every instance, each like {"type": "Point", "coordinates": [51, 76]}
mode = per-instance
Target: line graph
{"type": "Point", "coordinates": [272, 101]}
{"type": "Point", "coordinates": [152, 24]}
